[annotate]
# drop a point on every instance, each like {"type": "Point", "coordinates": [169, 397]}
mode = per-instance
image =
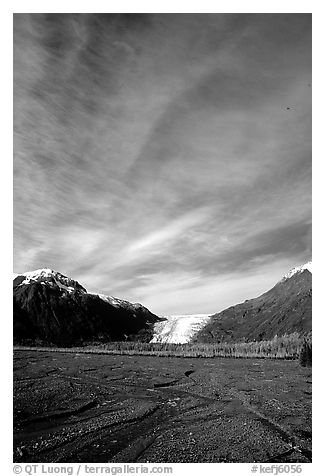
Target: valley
{"type": "Point", "coordinates": [74, 407]}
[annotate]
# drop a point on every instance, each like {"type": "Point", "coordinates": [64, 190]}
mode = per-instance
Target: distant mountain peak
{"type": "Point", "coordinates": [298, 270]}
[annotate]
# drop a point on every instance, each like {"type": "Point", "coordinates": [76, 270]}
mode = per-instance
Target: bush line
{"type": "Point", "coordinates": [289, 346]}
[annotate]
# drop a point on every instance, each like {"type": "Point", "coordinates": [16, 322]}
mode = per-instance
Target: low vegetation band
{"type": "Point", "coordinates": [288, 346]}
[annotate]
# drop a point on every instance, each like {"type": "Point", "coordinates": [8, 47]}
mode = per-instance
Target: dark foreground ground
{"type": "Point", "coordinates": [105, 408]}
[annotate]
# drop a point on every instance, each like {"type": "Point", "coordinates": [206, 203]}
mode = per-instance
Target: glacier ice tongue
{"type": "Point", "coordinates": [179, 329]}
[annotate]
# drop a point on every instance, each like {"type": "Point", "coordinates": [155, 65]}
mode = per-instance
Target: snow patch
{"type": "Point", "coordinates": [298, 269]}
{"type": "Point", "coordinates": [70, 289]}
{"type": "Point", "coordinates": [117, 302]}
{"type": "Point", "coordinates": [110, 299]}
{"type": "Point", "coordinates": [36, 274]}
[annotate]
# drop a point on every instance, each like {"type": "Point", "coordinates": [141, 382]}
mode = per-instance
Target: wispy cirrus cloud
{"type": "Point", "coordinates": [156, 155]}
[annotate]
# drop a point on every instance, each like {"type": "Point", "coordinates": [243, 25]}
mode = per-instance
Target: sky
{"type": "Point", "coordinates": [163, 158]}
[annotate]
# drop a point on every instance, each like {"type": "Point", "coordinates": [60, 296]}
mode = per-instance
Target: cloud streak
{"type": "Point", "coordinates": [159, 154]}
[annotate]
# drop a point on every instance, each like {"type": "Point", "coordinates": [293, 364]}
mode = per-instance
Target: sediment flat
{"type": "Point", "coordinates": [75, 407]}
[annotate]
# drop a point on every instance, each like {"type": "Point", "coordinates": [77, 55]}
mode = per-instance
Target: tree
{"type": "Point", "coordinates": [305, 357]}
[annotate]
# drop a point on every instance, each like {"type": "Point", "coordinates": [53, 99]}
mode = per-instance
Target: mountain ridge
{"type": "Point", "coordinates": [50, 308]}
{"type": "Point", "coordinates": [285, 308]}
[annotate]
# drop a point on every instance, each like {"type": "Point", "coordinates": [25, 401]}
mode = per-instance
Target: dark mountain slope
{"type": "Point", "coordinates": [284, 309]}
{"type": "Point", "coordinates": [51, 310]}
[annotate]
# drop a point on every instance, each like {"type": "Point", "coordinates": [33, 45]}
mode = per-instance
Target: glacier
{"type": "Point", "coordinates": [179, 329]}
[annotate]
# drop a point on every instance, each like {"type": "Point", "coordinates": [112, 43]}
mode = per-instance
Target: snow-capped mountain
{"type": "Point", "coordinates": [49, 277]}
{"type": "Point", "coordinates": [284, 309]}
{"type": "Point", "coordinates": [50, 308]}
{"type": "Point", "coordinates": [298, 269]}
{"type": "Point", "coordinates": [179, 329]}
